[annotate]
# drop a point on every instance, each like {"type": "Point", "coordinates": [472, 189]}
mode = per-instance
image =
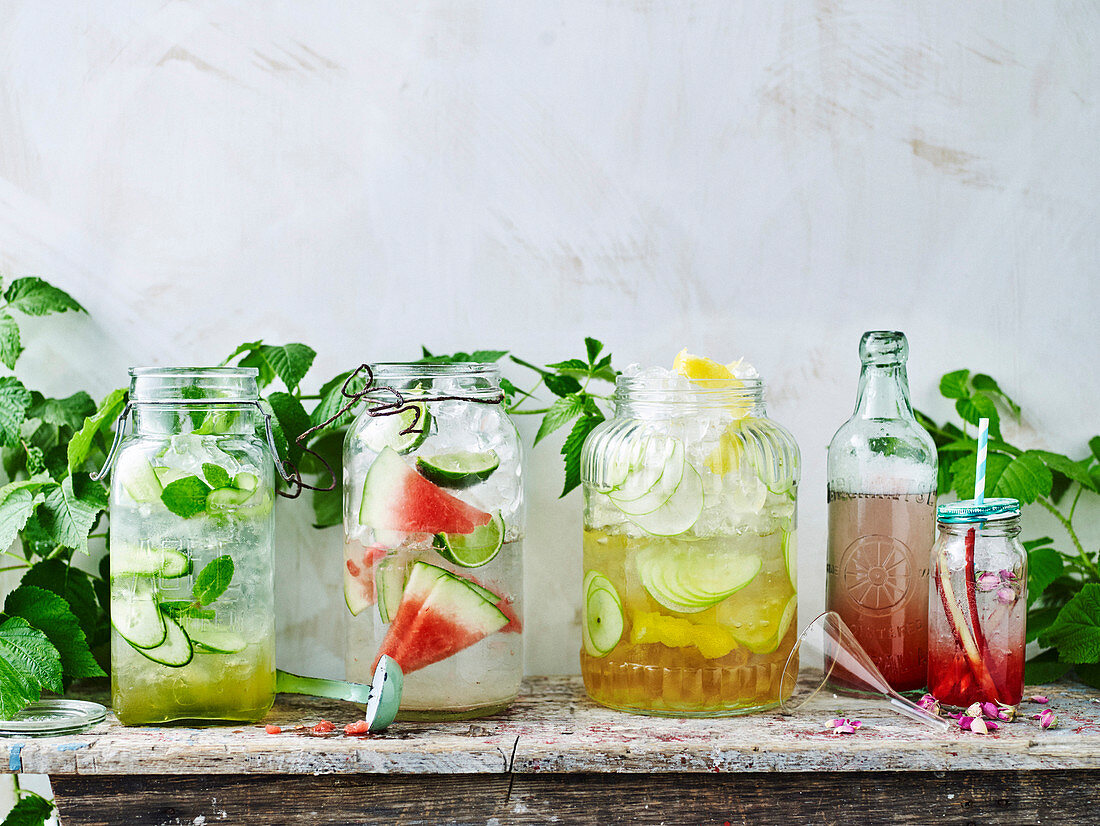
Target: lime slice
{"type": "Point", "coordinates": [458, 470]}
{"type": "Point", "coordinates": [403, 431]}
{"type": "Point", "coordinates": [474, 549]}
{"type": "Point", "coordinates": [679, 512]}
{"type": "Point", "coordinates": [603, 615]}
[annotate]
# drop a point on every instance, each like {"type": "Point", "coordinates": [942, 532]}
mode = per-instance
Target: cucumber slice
{"type": "Point", "coordinates": [666, 485]}
{"type": "Point", "coordinates": [389, 585]}
{"type": "Point", "coordinates": [386, 431]}
{"type": "Point", "coordinates": [136, 475]}
{"type": "Point", "coordinates": [213, 639]}
{"type": "Point", "coordinates": [246, 481]}
{"type": "Point", "coordinates": [132, 560]}
{"type": "Point", "coordinates": [761, 636]}
{"type": "Point", "coordinates": [176, 651]}
{"type": "Point", "coordinates": [458, 470]}
{"type": "Point", "coordinates": [680, 512]}
{"type": "Point", "coordinates": [689, 580]}
{"type": "Point", "coordinates": [139, 619]}
{"type": "Point", "coordinates": [224, 499]}
{"type": "Point", "coordinates": [647, 468]}
{"type": "Point", "coordinates": [474, 549]}
{"type": "Point", "coordinates": [603, 615]}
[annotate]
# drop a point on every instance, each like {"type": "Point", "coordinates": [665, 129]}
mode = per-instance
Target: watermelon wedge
{"type": "Point", "coordinates": [360, 566]}
{"type": "Point", "coordinates": [440, 614]}
{"type": "Point", "coordinates": [397, 498]}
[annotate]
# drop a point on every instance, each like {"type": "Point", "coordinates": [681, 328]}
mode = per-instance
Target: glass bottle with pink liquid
{"type": "Point", "coordinates": [882, 499]}
{"type": "Point", "coordinates": [977, 606]}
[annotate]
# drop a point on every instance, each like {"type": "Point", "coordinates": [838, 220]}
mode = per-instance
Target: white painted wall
{"type": "Point", "coordinates": [765, 179]}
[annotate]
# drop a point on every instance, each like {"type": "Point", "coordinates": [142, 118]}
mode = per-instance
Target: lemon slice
{"type": "Point", "coordinates": [702, 369]}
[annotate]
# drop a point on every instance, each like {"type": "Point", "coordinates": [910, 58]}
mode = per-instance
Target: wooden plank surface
{"type": "Point", "coordinates": [554, 728]}
{"type": "Point", "coordinates": [948, 798]}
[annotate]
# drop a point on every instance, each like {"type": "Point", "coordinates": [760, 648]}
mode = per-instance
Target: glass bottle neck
{"type": "Point", "coordinates": [883, 392]}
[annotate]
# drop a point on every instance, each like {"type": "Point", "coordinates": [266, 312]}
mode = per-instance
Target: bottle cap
{"type": "Point", "coordinates": [971, 510]}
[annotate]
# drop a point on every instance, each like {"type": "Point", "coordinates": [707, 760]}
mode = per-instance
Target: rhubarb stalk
{"type": "Point", "coordinates": [969, 577]}
{"type": "Point", "coordinates": [963, 638]}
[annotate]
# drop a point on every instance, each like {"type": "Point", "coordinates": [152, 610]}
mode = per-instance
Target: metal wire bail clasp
{"type": "Point", "coordinates": [120, 432]}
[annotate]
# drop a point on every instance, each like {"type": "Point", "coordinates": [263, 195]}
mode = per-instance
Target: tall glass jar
{"type": "Point", "coordinates": [690, 561]}
{"type": "Point", "coordinates": [434, 523]}
{"type": "Point", "coordinates": [192, 591]}
{"type": "Point", "coordinates": [977, 605]}
{"type": "Point", "coordinates": [882, 500]}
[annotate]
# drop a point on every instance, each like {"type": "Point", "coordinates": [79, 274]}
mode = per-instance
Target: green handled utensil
{"type": "Point", "coordinates": [382, 697]}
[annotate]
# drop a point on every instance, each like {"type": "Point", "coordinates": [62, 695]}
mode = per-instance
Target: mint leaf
{"type": "Point", "coordinates": [290, 362]}
{"type": "Point", "coordinates": [14, 401]}
{"type": "Point", "coordinates": [17, 502]}
{"type": "Point", "coordinates": [282, 446]}
{"type": "Point", "coordinates": [185, 497]}
{"type": "Point", "coordinates": [30, 810]}
{"type": "Point", "coordinates": [1045, 668]}
{"type": "Point", "coordinates": [1094, 446]}
{"type": "Point", "coordinates": [69, 412]}
{"type": "Point", "coordinates": [1044, 565]}
{"type": "Point", "coordinates": [332, 399]}
{"type": "Point", "coordinates": [328, 508]}
{"type": "Point", "coordinates": [71, 510]}
{"type": "Point", "coordinates": [571, 366]}
{"type": "Point", "coordinates": [11, 347]}
{"type": "Point", "coordinates": [28, 663]}
{"type": "Point", "coordinates": [963, 472]}
{"type": "Point", "coordinates": [33, 296]}
{"type": "Point", "coordinates": [80, 445]}
{"type": "Point", "coordinates": [293, 420]}
{"type": "Point", "coordinates": [1088, 673]}
{"type": "Point", "coordinates": [1077, 471]}
{"type": "Point", "coordinates": [51, 615]}
{"type": "Point", "coordinates": [560, 412]}
{"type": "Point", "coordinates": [1076, 632]}
{"type": "Point", "coordinates": [216, 476]}
{"type": "Point", "coordinates": [213, 579]}
{"type": "Point", "coordinates": [571, 450]}
{"type": "Point", "coordinates": [986, 384]}
{"type": "Point", "coordinates": [980, 406]}
{"type": "Point", "coordinates": [593, 347]}
{"type": "Point", "coordinates": [1026, 478]}
{"type": "Point", "coordinates": [561, 385]}
{"type": "Point", "coordinates": [487, 356]}
{"type": "Point", "coordinates": [74, 586]}
{"type": "Point", "coordinates": [955, 385]}
{"type": "Point", "coordinates": [1039, 620]}
{"type": "Point", "coordinates": [186, 608]}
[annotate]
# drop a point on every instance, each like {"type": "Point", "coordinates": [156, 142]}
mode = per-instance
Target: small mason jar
{"type": "Point", "coordinates": [689, 597]}
{"type": "Point", "coordinates": [192, 592]}
{"type": "Point", "coordinates": [434, 524]}
{"type": "Point", "coordinates": [977, 604]}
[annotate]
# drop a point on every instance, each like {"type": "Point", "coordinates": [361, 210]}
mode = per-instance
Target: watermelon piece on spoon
{"type": "Point", "coordinates": [397, 498]}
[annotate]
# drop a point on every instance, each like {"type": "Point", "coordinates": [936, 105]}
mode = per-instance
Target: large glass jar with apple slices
{"type": "Point", "coordinates": [689, 591]}
{"type": "Point", "coordinates": [192, 593]}
{"type": "Point", "coordinates": [433, 524]}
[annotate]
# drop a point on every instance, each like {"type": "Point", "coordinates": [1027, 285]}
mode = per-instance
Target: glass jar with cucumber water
{"type": "Point", "coordinates": [192, 593]}
{"type": "Point", "coordinates": [434, 524]}
{"type": "Point", "coordinates": [689, 595]}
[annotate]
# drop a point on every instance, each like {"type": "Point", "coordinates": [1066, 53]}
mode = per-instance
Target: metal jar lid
{"type": "Point", "coordinates": [50, 718]}
{"type": "Point", "coordinates": [971, 510]}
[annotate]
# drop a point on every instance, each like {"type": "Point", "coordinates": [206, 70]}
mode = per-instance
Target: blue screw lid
{"type": "Point", "coordinates": [971, 510]}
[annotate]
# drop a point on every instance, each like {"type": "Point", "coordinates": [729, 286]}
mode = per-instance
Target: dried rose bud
{"type": "Point", "coordinates": [1006, 712]}
{"type": "Point", "coordinates": [1039, 698]}
{"type": "Point", "coordinates": [988, 581]}
{"type": "Point", "coordinates": [1046, 718]}
{"type": "Point", "coordinates": [842, 725]}
{"type": "Point", "coordinates": [965, 722]}
{"type": "Point", "coordinates": [974, 710]}
{"type": "Point", "coordinates": [845, 729]}
{"type": "Point", "coordinates": [929, 704]}
{"type": "Point", "coordinates": [1006, 595]}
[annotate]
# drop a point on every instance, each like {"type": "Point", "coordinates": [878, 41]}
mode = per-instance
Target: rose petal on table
{"type": "Point", "coordinates": [1039, 698]}
{"type": "Point", "coordinates": [980, 726]}
{"type": "Point", "coordinates": [1046, 718]}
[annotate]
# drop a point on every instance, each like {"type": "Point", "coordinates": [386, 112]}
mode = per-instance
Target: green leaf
{"type": "Point", "coordinates": [11, 346]}
{"type": "Point", "coordinates": [1088, 673]}
{"type": "Point", "coordinates": [216, 476]}
{"type": "Point", "coordinates": [1076, 632]}
{"type": "Point", "coordinates": [33, 296]}
{"type": "Point", "coordinates": [1039, 620]}
{"type": "Point", "coordinates": [571, 450]}
{"type": "Point", "coordinates": [1094, 446]}
{"type": "Point", "coordinates": [980, 406]}
{"type": "Point", "coordinates": [963, 470]}
{"type": "Point", "coordinates": [80, 446]}
{"type": "Point", "coordinates": [560, 412]}
{"type": "Point", "coordinates": [487, 356]}
{"type": "Point", "coordinates": [51, 615]}
{"type": "Point", "coordinates": [1042, 541]}
{"type": "Point", "coordinates": [28, 663]}
{"type": "Point", "coordinates": [561, 385]}
{"type": "Point", "coordinates": [970, 445]}
{"type": "Point", "coordinates": [71, 510]}
{"type": "Point", "coordinates": [185, 497]}
{"type": "Point", "coordinates": [69, 412]}
{"type": "Point", "coordinates": [186, 608]}
{"type": "Point", "coordinates": [74, 586]}
{"type": "Point", "coordinates": [955, 385]}
{"type": "Point", "coordinates": [17, 502]}
{"type": "Point", "coordinates": [1077, 471]}
{"type": "Point", "coordinates": [1026, 478]}
{"type": "Point", "coordinates": [1044, 565]}
{"type": "Point", "coordinates": [986, 384]}
{"type": "Point", "coordinates": [328, 505]}
{"type": "Point", "coordinates": [332, 399]}
{"type": "Point", "coordinates": [575, 366]}
{"type": "Point", "coordinates": [293, 420]}
{"type": "Point", "coordinates": [30, 810]}
{"type": "Point", "coordinates": [14, 401]}
{"type": "Point", "coordinates": [213, 579]}
{"type": "Point", "coordinates": [593, 347]}
{"type": "Point", "coordinates": [290, 362]}
{"type": "Point", "coordinates": [1045, 668]}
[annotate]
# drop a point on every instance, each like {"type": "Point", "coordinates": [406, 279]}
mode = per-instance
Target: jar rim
{"type": "Point", "coordinates": [207, 385]}
{"type": "Point", "coordinates": [428, 370]}
{"type": "Point", "coordinates": [671, 390]}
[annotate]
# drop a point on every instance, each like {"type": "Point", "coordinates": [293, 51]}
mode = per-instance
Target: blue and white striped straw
{"type": "Point", "coordinates": [979, 473]}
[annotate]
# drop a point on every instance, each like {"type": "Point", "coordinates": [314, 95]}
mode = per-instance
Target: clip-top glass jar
{"type": "Point", "coordinates": [977, 605]}
{"type": "Point", "coordinates": [689, 595]}
{"type": "Point", "coordinates": [192, 590]}
{"type": "Point", "coordinates": [434, 524]}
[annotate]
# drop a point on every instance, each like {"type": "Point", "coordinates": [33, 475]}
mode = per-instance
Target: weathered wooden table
{"type": "Point", "coordinates": [555, 757]}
